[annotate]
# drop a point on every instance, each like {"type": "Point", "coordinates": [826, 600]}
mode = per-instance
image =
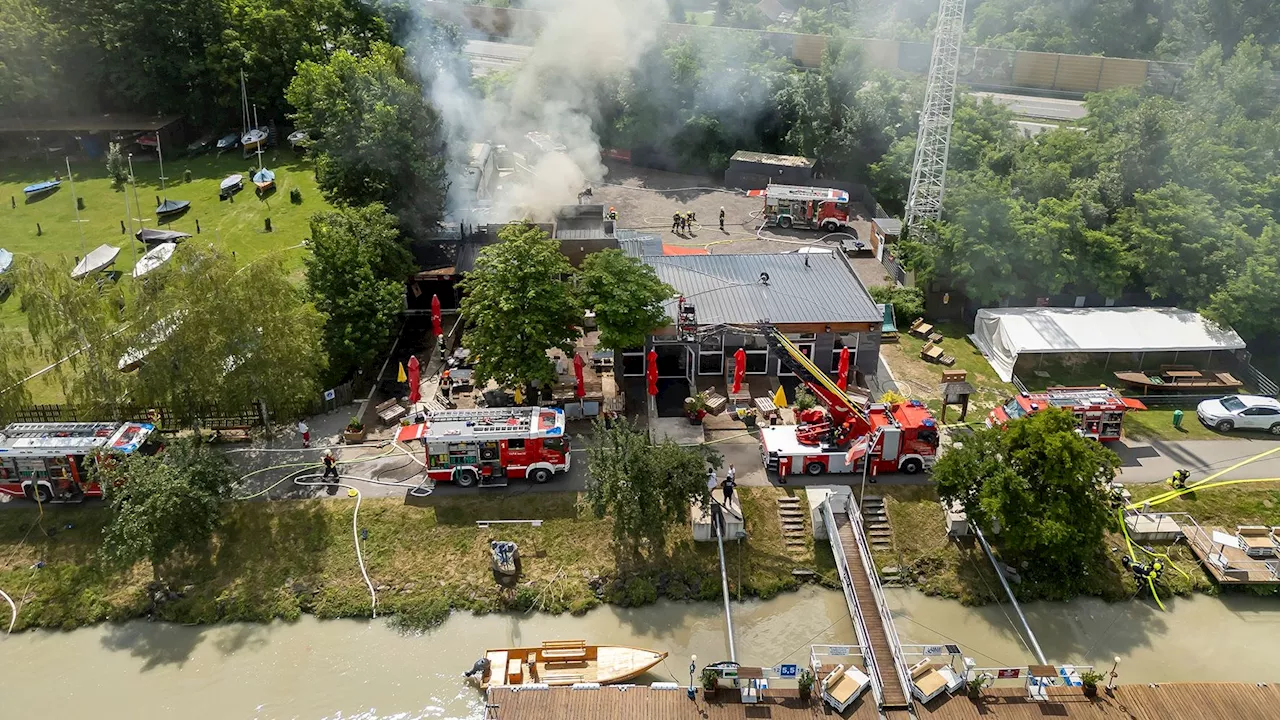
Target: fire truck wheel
{"type": "Point", "coordinates": [465, 478]}
{"type": "Point", "coordinates": [830, 226]}
{"type": "Point", "coordinates": [911, 466]}
{"type": "Point", "coordinates": [815, 468]}
{"type": "Point", "coordinates": [540, 475]}
{"type": "Point", "coordinates": [41, 493]}
{"type": "Point", "coordinates": [784, 221]}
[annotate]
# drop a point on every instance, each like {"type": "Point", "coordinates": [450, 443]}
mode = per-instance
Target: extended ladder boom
{"type": "Point", "coordinates": [835, 400]}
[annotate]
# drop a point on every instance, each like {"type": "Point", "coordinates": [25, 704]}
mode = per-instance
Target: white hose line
{"type": "Point", "coordinates": [13, 609]}
{"type": "Point", "coordinates": [355, 532]}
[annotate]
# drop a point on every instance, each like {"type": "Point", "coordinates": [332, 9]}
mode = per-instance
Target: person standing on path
{"type": "Point", "coordinates": [305, 432]}
{"type": "Point", "coordinates": [675, 222]}
{"type": "Point", "coordinates": [721, 218]}
{"type": "Point", "coordinates": [730, 482]}
{"type": "Point", "coordinates": [712, 480]}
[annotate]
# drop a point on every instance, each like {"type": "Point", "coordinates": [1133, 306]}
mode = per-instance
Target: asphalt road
{"type": "Point", "coordinates": [1038, 107]}
{"type": "Point", "coordinates": [1145, 462]}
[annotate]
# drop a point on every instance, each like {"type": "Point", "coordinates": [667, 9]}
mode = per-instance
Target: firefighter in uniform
{"type": "Point", "coordinates": [675, 222]}
{"type": "Point", "coordinates": [721, 218]}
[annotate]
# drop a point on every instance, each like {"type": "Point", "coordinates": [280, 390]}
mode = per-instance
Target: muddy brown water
{"type": "Point", "coordinates": [365, 670]}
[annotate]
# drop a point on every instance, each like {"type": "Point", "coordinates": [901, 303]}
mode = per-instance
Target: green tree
{"type": "Point", "coordinates": [1249, 303]}
{"type": "Point", "coordinates": [908, 302]}
{"type": "Point", "coordinates": [214, 333]}
{"type": "Point", "coordinates": [355, 274]}
{"type": "Point", "coordinates": [78, 321]}
{"type": "Point", "coordinates": [645, 488]}
{"type": "Point", "coordinates": [162, 505]}
{"type": "Point", "coordinates": [1043, 483]}
{"type": "Point", "coordinates": [116, 166]}
{"type": "Point", "coordinates": [518, 305]}
{"type": "Point", "coordinates": [375, 137]}
{"type": "Point", "coordinates": [626, 296]}
{"type": "Point", "coordinates": [14, 355]}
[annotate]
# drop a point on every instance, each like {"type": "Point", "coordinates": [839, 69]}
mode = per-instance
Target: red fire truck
{"type": "Point", "coordinates": [47, 461]}
{"type": "Point", "coordinates": [804, 207]}
{"type": "Point", "coordinates": [902, 437]}
{"type": "Point", "coordinates": [490, 446]}
{"type": "Point", "coordinates": [1099, 410]}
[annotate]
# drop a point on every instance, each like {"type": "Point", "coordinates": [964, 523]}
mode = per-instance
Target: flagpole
{"type": "Point", "coordinates": [71, 181]}
{"type": "Point", "coordinates": [160, 154]}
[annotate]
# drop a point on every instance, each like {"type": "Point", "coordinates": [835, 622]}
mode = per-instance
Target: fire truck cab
{"type": "Point", "coordinates": [48, 461]}
{"type": "Point", "coordinates": [798, 206]}
{"type": "Point", "coordinates": [1099, 411]}
{"type": "Point", "coordinates": [487, 447]}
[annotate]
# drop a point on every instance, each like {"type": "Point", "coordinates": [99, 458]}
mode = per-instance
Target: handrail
{"type": "Point", "coordinates": [855, 610]}
{"type": "Point", "coordinates": [886, 618]}
{"type": "Point", "coordinates": [1206, 539]}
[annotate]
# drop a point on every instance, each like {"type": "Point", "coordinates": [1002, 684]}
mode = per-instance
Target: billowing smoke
{"type": "Point", "coordinates": [544, 115]}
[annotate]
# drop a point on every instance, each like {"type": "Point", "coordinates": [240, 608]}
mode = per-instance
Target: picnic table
{"type": "Point", "coordinates": [766, 407]}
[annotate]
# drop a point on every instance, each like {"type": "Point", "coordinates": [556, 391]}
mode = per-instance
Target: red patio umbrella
{"type": "Point", "coordinates": [739, 369]}
{"type": "Point", "coordinates": [581, 389]}
{"type": "Point", "coordinates": [842, 380]}
{"type": "Point", "coordinates": [435, 316]}
{"type": "Point", "coordinates": [653, 372]}
{"type": "Point", "coordinates": [415, 375]}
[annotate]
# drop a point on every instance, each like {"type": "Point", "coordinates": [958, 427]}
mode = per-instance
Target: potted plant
{"type": "Point", "coordinates": [354, 432]}
{"type": "Point", "coordinates": [804, 400]}
{"type": "Point", "coordinates": [695, 408]}
{"type": "Point", "coordinates": [747, 416]}
{"type": "Point", "coordinates": [805, 683]}
{"type": "Point", "coordinates": [1090, 680]}
{"type": "Point", "coordinates": [710, 681]}
{"type": "Point", "coordinates": [973, 688]}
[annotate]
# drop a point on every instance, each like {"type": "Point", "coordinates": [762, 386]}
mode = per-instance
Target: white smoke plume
{"type": "Point", "coordinates": [580, 45]}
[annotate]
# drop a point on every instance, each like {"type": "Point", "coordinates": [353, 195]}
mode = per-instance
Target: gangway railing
{"type": "Point", "coordinates": [851, 598]}
{"type": "Point", "coordinates": [1202, 539]}
{"type": "Point", "coordinates": [886, 618]}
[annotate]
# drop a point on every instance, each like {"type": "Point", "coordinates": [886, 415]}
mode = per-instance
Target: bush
{"type": "Point", "coordinates": [635, 592]}
{"type": "Point", "coordinates": [295, 196]}
{"type": "Point", "coordinates": [804, 400]}
{"type": "Point", "coordinates": [116, 166]}
{"type": "Point", "coordinates": [908, 302]}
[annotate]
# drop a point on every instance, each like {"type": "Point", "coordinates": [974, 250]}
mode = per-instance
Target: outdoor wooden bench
{"type": "Point", "coordinates": [390, 411]}
{"type": "Point", "coordinates": [715, 402]}
{"type": "Point", "coordinates": [920, 328]}
{"type": "Point", "coordinates": [231, 433]}
{"type": "Point", "coordinates": [932, 353]}
{"type": "Point", "coordinates": [935, 338]}
{"type": "Point", "coordinates": [563, 650]}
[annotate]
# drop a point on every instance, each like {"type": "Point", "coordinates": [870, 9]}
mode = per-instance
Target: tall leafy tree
{"type": "Point", "coordinates": [80, 324]}
{"type": "Point", "coordinates": [14, 354]}
{"type": "Point", "coordinates": [626, 296]}
{"type": "Point", "coordinates": [376, 138]}
{"type": "Point", "coordinates": [518, 305]}
{"type": "Point", "coordinates": [355, 274]}
{"type": "Point", "coordinates": [645, 488]}
{"type": "Point", "coordinates": [161, 506]}
{"type": "Point", "coordinates": [1043, 483]}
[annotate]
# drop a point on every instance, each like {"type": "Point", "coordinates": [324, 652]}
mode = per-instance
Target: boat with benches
{"type": "Point", "coordinates": [565, 662]}
{"type": "Point", "coordinates": [1179, 377]}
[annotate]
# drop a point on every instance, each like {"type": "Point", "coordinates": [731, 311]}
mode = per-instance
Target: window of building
{"type": "Point", "coordinates": [757, 362]}
{"type": "Point", "coordinates": [850, 341]}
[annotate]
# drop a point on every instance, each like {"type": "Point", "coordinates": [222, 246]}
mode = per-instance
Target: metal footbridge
{"type": "Point", "coordinates": [881, 649]}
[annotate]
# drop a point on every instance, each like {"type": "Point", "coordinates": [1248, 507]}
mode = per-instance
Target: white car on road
{"type": "Point", "coordinates": [1241, 412]}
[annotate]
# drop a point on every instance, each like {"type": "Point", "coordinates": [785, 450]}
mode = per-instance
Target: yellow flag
{"type": "Point", "coordinates": [780, 397]}
{"type": "Point", "coordinates": [519, 396]}
{"type": "Point", "coordinates": [402, 377]}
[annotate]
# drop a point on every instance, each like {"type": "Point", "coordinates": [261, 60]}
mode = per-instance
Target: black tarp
{"type": "Point", "coordinates": [152, 236]}
{"type": "Point", "coordinates": [169, 207]}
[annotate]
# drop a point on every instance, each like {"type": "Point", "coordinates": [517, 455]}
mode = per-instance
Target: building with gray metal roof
{"type": "Point", "coordinates": [784, 289]}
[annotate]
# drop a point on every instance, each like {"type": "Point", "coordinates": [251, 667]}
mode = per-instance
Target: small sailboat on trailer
{"type": "Point", "coordinates": [265, 180]}
{"type": "Point", "coordinates": [563, 662]}
{"type": "Point", "coordinates": [230, 185]}
{"type": "Point", "coordinates": [169, 208]}
{"type": "Point", "coordinates": [101, 258]}
{"type": "Point", "coordinates": [154, 258]}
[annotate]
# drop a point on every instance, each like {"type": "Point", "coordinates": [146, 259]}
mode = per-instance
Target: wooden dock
{"type": "Point", "coordinates": [1227, 563]}
{"type": "Point", "coordinates": [878, 638]}
{"type": "Point", "coordinates": [1172, 701]}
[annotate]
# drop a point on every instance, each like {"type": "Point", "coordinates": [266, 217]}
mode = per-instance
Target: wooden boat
{"type": "Point", "coordinates": [1173, 379]}
{"type": "Point", "coordinates": [565, 662]}
{"type": "Point", "coordinates": [265, 180]}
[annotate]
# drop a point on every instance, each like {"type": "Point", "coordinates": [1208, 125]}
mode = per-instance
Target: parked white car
{"type": "Point", "coordinates": [1241, 412]}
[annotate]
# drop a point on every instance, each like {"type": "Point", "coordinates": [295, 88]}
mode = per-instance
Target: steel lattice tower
{"type": "Point", "coordinates": [929, 170]}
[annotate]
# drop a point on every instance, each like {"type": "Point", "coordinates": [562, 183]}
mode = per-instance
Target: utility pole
{"type": "Point", "coordinates": [929, 170]}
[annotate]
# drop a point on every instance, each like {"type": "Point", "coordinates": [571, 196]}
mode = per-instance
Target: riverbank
{"type": "Point", "coordinates": [286, 558]}
{"type": "Point", "coordinates": [926, 558]}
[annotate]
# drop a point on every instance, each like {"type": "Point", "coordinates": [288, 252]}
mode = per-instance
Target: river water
{"type": "Point", "coordinates": [347, 669]}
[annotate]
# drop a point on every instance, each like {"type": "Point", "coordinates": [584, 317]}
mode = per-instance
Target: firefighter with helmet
{"type": "Point", "coordinates": [613, 214]}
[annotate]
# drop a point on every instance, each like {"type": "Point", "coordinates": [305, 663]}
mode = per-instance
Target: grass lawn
{"type": "Point", "coordinates": [280, 559]}
{"type": "Point", "coordinates": [1157, 424]}
{"type": "Point", "coordinates": [1227, 506]}
{"type": "Point", "coordinates": [920, 379]}
{"type": "Point", "coordinates": [237, 226]}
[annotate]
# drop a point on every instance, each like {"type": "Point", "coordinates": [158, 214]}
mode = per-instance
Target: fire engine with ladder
{"type": "Point", "coordinates": [804, 207]}
{"type": "Point", "coordinates": [840, 439]}
{"type": "Point", "coordinates": [48, 462]}
{"type": "Point", "coordinates": [1099, 411]}
{"type": "Point", "coordinates": [489, 446]}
